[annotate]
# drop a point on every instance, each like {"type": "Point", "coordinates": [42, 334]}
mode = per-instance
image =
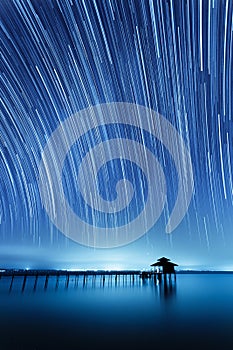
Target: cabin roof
{"type": "Point", "coordinates": [163, 259]}
{"type": "Point", "coordinates": [168, 263]}
{"type": "Point", "coordinates": [163, 262]}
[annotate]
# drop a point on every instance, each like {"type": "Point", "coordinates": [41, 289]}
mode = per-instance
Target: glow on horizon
{"type": "Point", "coordinates": [112, 267]}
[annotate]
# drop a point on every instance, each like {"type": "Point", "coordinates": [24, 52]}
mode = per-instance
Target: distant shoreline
{"type": "Point", "coordinates": [203, 272]}
{"type": "Point", "coordinates": [63, 272]}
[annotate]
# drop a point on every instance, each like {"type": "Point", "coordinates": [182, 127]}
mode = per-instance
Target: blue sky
{"type": "Point", "coordinates": [60, 57]}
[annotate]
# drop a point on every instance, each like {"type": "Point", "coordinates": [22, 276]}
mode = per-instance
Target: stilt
{"type": "Point", "coordinates": [46, 282]}
{"type": "Point", "coordinates": [11, 285]}
{"type": "Point", "coordinates": [24, 283]}
{"type": "Point", "coordinates": [67, 280]}
{"type": "Point", "coordinates": [57, 282]}
{"type": "Point", "coordinates": [76, 280]}
{"type": "Point", "coordinates": [35, 283]}
{"type": "Point", "coordinates": [109, 280]}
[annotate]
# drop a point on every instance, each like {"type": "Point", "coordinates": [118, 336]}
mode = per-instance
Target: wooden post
{"type": "Point", "coordinates": [57, 282]}
{"type": "Point", "coordinates": [46, 282]}
{"type": "Point", "coordinates": [11, 285]}
{"type": "Point", "coordinates": [76, 280]}
{"type": "Point", "coordinates": [35, 283]}
{"type": "Point", "coordinates": [93, 280]}
{"type": "Point", "coordinates": [67, 280]}
{"type": "Point", "coordinates": [24, 283]}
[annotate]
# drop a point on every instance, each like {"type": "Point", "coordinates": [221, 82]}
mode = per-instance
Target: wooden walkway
{"type": "Point", "coordinates": [82, 277]}
{"type": "Point", "coordinates": [68, 272]}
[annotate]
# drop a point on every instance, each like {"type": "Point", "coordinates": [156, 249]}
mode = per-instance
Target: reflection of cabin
{"type": "Point", "coordinates": [166, 264]}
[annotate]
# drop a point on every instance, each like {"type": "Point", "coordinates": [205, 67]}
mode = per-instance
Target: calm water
{"type": "Point", "coordinates": [196, 312]}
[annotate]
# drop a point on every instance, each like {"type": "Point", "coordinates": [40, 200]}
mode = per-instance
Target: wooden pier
{"type": "Point", "coordinates": [84, 278]}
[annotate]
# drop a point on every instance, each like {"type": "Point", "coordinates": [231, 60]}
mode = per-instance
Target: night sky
{"type": "Point", "coordinates": [61, 62]}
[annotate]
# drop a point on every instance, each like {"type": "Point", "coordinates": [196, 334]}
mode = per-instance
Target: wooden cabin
{"type": "Point", "coordinates": [166, 264]}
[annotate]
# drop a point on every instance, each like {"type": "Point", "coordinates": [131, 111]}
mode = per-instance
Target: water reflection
{"type": "Point", "coordinates": [167, 288]}
{"type": "Point", "coordinates": [164, 285]}
{"type": "Point", "coordinates": [131, 310]}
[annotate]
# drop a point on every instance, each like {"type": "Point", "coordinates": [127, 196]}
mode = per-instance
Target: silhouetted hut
{"type": "Point", "coordinates": [166, 264]}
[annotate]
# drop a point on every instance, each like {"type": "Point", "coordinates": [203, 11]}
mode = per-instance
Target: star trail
{"type": "Point", "coordinates": [173, 57]}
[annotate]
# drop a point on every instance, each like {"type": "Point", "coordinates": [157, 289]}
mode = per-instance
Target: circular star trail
{"type": "Point", "coordinates": [60, 57]}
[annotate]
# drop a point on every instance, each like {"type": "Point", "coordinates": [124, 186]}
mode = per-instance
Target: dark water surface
{"type": "Point", "coordinates": [196, 312]}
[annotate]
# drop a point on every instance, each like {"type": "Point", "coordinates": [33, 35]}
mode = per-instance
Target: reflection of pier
{"type": "Point", "coordinates": [158, 276]}
{"type": "Point", "coordinates": [164, 275]}
{"type": "Point", "coordinates": [165, 282]}
{"type": "Point", "coordinates": [41, 279]}
{"type": "Point", "coordinates": [82, 278]}
{"type": "Point", "coordinates": [167, 286]}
